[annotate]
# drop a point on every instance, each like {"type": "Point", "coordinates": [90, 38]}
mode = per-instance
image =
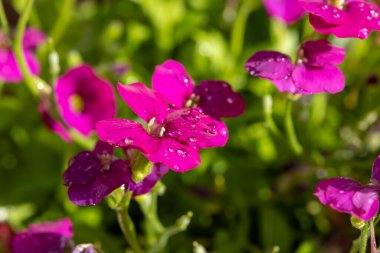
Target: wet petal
{"type": "Point", "coordinates": [375, 178]}
{"type": "Point", "coordinates": [217, 99]}
{"type": "Point", "coordinates": [172, 81]}
{"type": "Point", "coordinates": [312, 80]}
{"type": "Point", "coordinates": [287, 11]}
{"type": "Point", "coordinates": [9, 70]}
{"type": "Point", "coordinates": [104, 183]}
{"type": "Point", "coordinates": [177, 156]}
{"type": "Point", "coordinates": [193, 127]}
{"type": "Point", "coordinates": [329, 13]}
{"type": "Point", "coordinates": [271, 65]}
{"type": "Point", "coordinates": [82, 168]}
{"type": "Point", "coordinates": [62, 227]}
{"type": "Point", "coordinates": [126, 133]}
{"type": "Point", "coordinates": [32, 38]}
{"type": "Point", "coordinates": [321, 53]}
{"type": "Point", "coordinates": [349, 196]}
{"type": "Point", "coordinates": [146, 103]}
{"type": "Point", "coordinates": [145, 186]}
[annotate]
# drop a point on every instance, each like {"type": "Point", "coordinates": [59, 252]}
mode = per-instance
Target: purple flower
{"type": "Point", "coordinates": [355, 18]}
{"type": "Point", "coordinates": [44, 237]}
{"type": "Point", "coordinates": [216, 98]}
{"type": "Point", "coordinates": [9, 70]}
{"type": "Point", "coordinates": [288, 11]}
{"type": "Point", "coordinates": [83, 99]}
{"type": "Point", "coordinates": [173, 137]}
{"type": "Point", "coordinates": [92, 175]}
{"type": "Point", "coordinates": [314, 71]}
{"type": "Point", "coordinates": [350, 196]}
{"type": "Point", "coordinates": [146, 185]}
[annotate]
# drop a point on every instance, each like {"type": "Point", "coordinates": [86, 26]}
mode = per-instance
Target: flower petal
{"type": "Point", "coordinates": [175, 155]}
{"type": "Point", "coordinates": [287, 11]}
{"type": "Point", "coordinates": [63, 227]}
{"type": "Point", "coordinates": [271, 65]}
{"type": "Point", "coordinates": [172, 81]}
{"type": "Point", "coordinates": [193, 127]}
{"type": "Point", "coordinates": [103, 148]}
{"type": "Point", "coordinates": [313, 80]}
{"type": "Point", "coordinates": [82, 168]}
{"type": "Point", "coordinates": [9, 70]}
{"type": "Point", "coordinates": [349, 196]}
{"type": "Point", "coordinates": [32, 38]}
{"type": "Point", "coordinates": [126, 133]}
{"type": "Point", "coordinates": [327, 12]}
{"type": "Point", "coordinates": [146, 103]}
{"type": "Point", "coordinates": [104, 183]}
{"type": "Point", "coordinates": [217, 99]}
{"type": "Point", "coordinates": [375, 178]}
{"type": "Point", "coordinates": [321, 53]}
{"type": "Point", "coordinates": [54, 125]}
{"type": "Point", "coordinates": [146, 185]}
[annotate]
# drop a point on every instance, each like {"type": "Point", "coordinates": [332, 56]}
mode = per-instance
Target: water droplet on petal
{"type": "Point", "coordinates": [363, 33]}
{"type": "Point", "coordinates": [176, 167]}
{"type": "Point", "coordinates": [171, 150]}
{"type": "Point", "coordinates": [324, 6]}
{"type": "Point", "coordinates": [192, 139]}
{"type": "Point", "coordinates": [182, 153]}
{"type": "Point", "coordinates": [128, 141]}
{"type": "Point", "coordinates": [230, 100]}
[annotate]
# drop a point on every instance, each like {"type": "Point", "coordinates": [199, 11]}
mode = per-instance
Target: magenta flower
{"type": "Point", "coordinates": [314, 71]}
{"type": "Point", "coordinates": [146, 185]}
{"type": "Point", "coordinates": [44, 237]}
{"type": "Point", "coordinates": [173, 137]}
{"type": "Point", "coordinates": [53, 125]}
{"type": "Point", "coordinates": [355, 18]}
{"type": "Point", "coordinates": [216, 98]}
{"type": "Point", "coordinates": [92, 175]}
{"type": "Point", "coordinates": [83, 99]}
{"type": "Point", "coordinates": [9, 70]}
{"type": "Point", "coordinates": [350, 196]}
{"type": "Point", "coordinates": [288, 11]}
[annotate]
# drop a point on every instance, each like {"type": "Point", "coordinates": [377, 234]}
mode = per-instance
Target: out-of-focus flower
{"type": "Point", "coordinates": [216, 98]}
{"type": "Point", "coordinates": [44, 237]}
{"type": "Point", "coordinates": [350, 18]}
{"type": "Point", "coordinates": [92, 175]}
{"type": "Point", "coordinates": [314, 70]}
{"type": "Point", "coordinates": [173, 137]}
{"type": "Point", "coordinates": [9, 70]}
{"type": "Point", "coordinates": [83, 99]}
{"type": "Point", "coordinates": [53, 125]}
{"type": "Point", "coordinates": [6, 236]}
{"type": "Point", "coordinates": [288, 11]}
{"type": "Point", "coordinates": [350, 196]}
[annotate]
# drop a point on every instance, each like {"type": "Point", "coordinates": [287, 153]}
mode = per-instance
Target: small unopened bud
{"type": "Point", "coordinates": [184, 221]}
{"type": "Point", "coordinates": [357, 223]}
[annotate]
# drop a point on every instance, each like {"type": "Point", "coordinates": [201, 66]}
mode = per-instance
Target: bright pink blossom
{"type": "Point", "coordinates": [288, 11]}
{"type": "Point", "coordinates": [355, 18]}
{"type": "Point", "coordinates": [216, 98]}
{"type": "Point", "coordinates": [315, 70]}
{"type": "Point", "coordinates": [350, 196]}
{"type": "Point", "coordinates": [83, 98]}
{"type": "Point", "coordinates": [172, 137]}
{"type": "Point", "coordinates": [9, 70]}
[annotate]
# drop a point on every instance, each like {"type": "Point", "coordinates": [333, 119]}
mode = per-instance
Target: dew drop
{"type": "Point", "coordinates": [128, 141]}
{"type": "Point", "coordinates": [324, 6]}
{"type": "Point", "coordinates": [363, 33]}
{"type": "Point", "coordinates": [182, 153]}
{"type": "Point", "coordinates": [336, 15]}
{"type": "Point", "coordinates": [176, 167]}
{"type": "Point", "coordinates": [374, 14]}
{"type": "Point", "coordinates": [192, 139]}
{"type": "Point", "coordinates": [171, 150]}
{"type": "Point", "coordinates": [230, 100]}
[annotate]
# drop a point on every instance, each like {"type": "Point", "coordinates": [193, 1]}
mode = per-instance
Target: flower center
{"type": "Point", "coordinates": [155, 129]}
{"type": "Point", "coordinates": [301, 56]}
{"type": "Point", "coordinates": [76, 103]}
{"type": "Point", "coordinates": [106, 160]}
{"type": "Point", "coordinates": [5, 42]}
{"type": "Point", "coordinates": [193, 101]}
{"type": "Point", "coordinates": [337, 3]}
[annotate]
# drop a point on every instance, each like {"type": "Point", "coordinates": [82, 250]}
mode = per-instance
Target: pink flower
{"type": "Point", "coordinates": [355, 18]}
{"type": "Point", "coordinates": [9, 70]}
{"type": "Point", "coordinates": [216, 98]}
{"type": "Point", "coordinates": [83, 99]}
{"type": "Point", "coordinates": [288, 11]}
{"type": "Point", "coordinates": [314, 72]}
{"type": "Point", "coordinates": [172, 137]}
{"type": "Point", "coordinates": [350, 196]}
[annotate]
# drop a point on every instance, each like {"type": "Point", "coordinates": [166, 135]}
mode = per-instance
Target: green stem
{"type": "Point", "coordinates": [63, 20]}
{"type": "Point", "coordinates": [3, 19]}
{"type": "Point", "coordinates": [290, 131]}
{"type": "Point", "coordinates": [364, 238]}
{"type": "Point", "coordinates": [267, 104]}
{"type": "Point", "coordinates": [81, 140]}
{"type": "Point", "coordinates": [373, 239]}
{"type": "Point", "coordinates": [126, 223]}
{"type": "Point", "coordinates": [149, 209]}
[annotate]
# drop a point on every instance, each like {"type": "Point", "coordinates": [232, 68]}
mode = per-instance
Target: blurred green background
{"type": "Point", "coordinates": [250, 196]}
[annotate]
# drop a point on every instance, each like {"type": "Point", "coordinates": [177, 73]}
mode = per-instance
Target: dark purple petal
{"type": "Point", "coordinates": [175, 155]}
{"type": "Point", "coordinates": [321, 53]}
{"type": "Point", "coordinates": [271, 65]}
{"type": "Point", "coordinates": [105, 182]}
{"type": "Point", "coordinates": [82, 168]}
{"type": "Point", "coordinates": [193, 127]}
{"type": "Point", "coordinates": [217, 99]}
{"type": "Point", "coordinates": [349, 196]}
{"type": "Point", "coordinates": [9, 70]}
{"type": "Point", "coordinates": [172, 81]}
{"type": "Point", "coordinates": [375, 178]}
{"type": "Point", "coordinates": [33, 38]}
{"type": "Point", "coordinates": [54, 125]}
{"type": "Point", "coordinates": [103, 148]}
{"type": "Point", "coordinates": [146, 103]}
{"type": "Point", "coordinates": [84, 99]}
{"type": "Point", "coordinates": [287, 11]}
{"type": "Point", "coordinates": [44, 238]}
{"type": "Point", "coordinates": [312, 80]}
{"type": "Point", "coordinates": [126, 133]}
{"type": "Point", "coordinates": [145, 186]}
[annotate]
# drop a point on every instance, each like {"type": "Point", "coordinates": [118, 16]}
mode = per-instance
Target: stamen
{"type": "Point", "coordinates": [162, 131]}
{"type": "Point", "coordinates": [151, 124]}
